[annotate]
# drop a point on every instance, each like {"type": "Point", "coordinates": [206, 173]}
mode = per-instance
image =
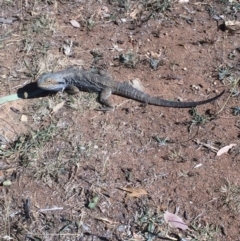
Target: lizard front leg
{"type": "Point", "coordinates": [103, 98]}
{"type": "Point", "coordinates": [72, 90]}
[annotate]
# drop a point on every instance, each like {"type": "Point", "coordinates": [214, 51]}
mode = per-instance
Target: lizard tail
{"type": "Point", "coordinates": [178, 104]}
{"type": "Point", "coordinates": [126, 90]}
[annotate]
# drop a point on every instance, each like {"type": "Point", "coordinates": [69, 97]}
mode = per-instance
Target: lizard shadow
{"type": "Point", "coordinates": [31, 91]}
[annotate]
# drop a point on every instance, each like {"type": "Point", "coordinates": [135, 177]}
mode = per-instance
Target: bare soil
{"type": "Point", "coordinates": [64, 171]}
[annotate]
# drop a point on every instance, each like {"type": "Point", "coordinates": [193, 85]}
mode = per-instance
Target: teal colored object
{"type": "Point", "coordinates": [20, 96]}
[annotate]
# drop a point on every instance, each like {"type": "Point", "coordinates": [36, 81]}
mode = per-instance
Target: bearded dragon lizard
{"type": "Point", "coordinates": [100, 82]}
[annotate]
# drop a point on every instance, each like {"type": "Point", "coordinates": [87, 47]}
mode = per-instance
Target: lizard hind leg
{"type": "Point", "coordinates": [104, 99]}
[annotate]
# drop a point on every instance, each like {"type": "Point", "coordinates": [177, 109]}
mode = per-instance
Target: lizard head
{"type": "Point", "coordinates": [51, 82]}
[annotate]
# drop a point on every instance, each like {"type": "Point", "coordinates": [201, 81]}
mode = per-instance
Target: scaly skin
{"type": "Point", "coordinates": [101, 83]}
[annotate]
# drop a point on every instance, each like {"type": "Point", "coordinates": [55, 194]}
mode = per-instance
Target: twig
{"type": "Point", "coordinates": [212, 148]}
{"type": "Point", "coordinates": [50, 209]}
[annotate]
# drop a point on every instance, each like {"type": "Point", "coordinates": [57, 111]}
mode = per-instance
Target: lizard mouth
{"type": "Point", "coordinates": [53, 87]}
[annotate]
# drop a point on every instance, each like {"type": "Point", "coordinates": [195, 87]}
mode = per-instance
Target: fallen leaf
{"type": "Point", "coordinates": [24, 118]}
{"type": "Point", "coordinates": [225, 149]}
{"type": "Point", "coordinates": [6, 237]}
{"type": "Point", "coordinates": [232, 27]}
{"type": "Point", "coordinates": [174, 221]}
{"type": "Point", "coordinates": [172, 238]}
{"type": "Point", "coordinates": [67, 50]}
{"type": "Point", "coordinates": [232, 23]}
{"type": "Point", "coordinates": [105, 9]}
{"type": "Point", "coordinates": [134, 13]}
{"type": "Point", "coordinates": [135, 192]}
{"type": "Point", "coordinates": [198, 165]}
{"type": "Point", "coordinates": [136, 83]}
{"type": "Point", "coordinates": [1, 176]}
{"type": "Point", "coordinates": [155, 55]}
{"type": "Point", "coordinates": [7, 20]}
{"type": "Point", "coordinates": [138, 9]}
{"type": "Point", "coordinates": [67, 47]}
{"type": "Point", "coordinates": [106, 220]}
{"type": "Point", "coordinates": [115, 47]}
{"type": "Point", "coordinates": [183, 1]}
{"type": "Point", "coordinates": [58, 107]}
{"type": "Point", "coordinates": [138, 237]}
{"type": "Point", "coordinates": [75, 23]}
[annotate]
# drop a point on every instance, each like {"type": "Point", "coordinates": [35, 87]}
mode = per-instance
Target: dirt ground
{"type": "Point", "coordinates": [70, 172]}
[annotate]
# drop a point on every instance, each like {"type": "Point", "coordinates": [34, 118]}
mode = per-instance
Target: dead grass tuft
{"type": "Point", "coordinates": [230, 196]}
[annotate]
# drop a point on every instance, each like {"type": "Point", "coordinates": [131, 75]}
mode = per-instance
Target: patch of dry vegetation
{"type": "Point", "coordinates": [69, 183]}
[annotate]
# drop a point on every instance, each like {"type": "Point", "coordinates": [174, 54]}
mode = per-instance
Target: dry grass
{"type": "Point", "coordinates": [230, 196]}
{"type": "Point", "coordinates": [71, 163]}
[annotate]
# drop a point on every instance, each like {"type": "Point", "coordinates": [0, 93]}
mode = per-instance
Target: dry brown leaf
{"type": "Point", "coordinates": [75, 23]}
{"type": "Point", "coordinates": [58, 107]}
{"type": "Point", "coordinates": [1, 176]}
{"type": "Point", "coordinates": [174, 221]}
{"type": "Point", "coordinates": [135, 192]}
{"type": "Point", "coordinates": [225, 149]}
